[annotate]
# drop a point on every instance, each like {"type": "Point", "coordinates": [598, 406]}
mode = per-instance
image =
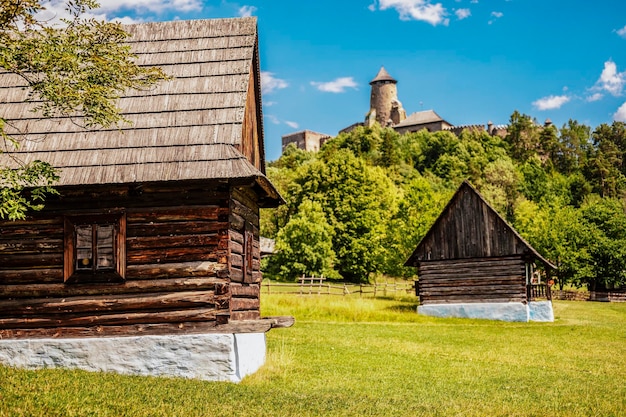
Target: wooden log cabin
{"type": "Point", "coordinates": [472, 263]}
{"type": "Point", "coordinates": [156, 228]}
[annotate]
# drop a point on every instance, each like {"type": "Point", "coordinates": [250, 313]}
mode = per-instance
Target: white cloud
{"type": "Point", "coordinates": [275, 120]}
{"type": "Point", "coordinates": [154, 6]}
{"type": "Point", "coordinates": [421, 10]}
{"type": "Point", "coordinates": [55, 10]}
{"type": "Point", "coordinates": [610, 80]}
{"type": "Point", "coordinates": [463, 13]}
{"type": "Point", "coordinates": [620, 114]}
{"type": "Point", "coordinates": [622, 32]}
{"type": "Point", "coordinates": [270, 84]}
{"type": "Point", "coordinates": [551, 102]}
{"type": "Point", "coordinates": [126, 20]}
{"type": "Point", "coordinates": [247, 11]}
{"type": "Point", "coordinates": [112, 10]}
{"type": "Point", "coordinates": [272, 118]}
{"type": "Point", "coordinates": [338, 85]}
{"type": "Point", "coordinates": [495, 16]}
{"type": "Point", "coordinates": [594, 97]}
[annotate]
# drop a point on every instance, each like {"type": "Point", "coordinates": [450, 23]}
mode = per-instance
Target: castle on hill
{"type": "Point", "coordinates": [387, 110]}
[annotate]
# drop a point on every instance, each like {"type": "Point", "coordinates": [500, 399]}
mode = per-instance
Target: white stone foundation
{"type": "Point", "coordinates": [540, 311]}
{"type": "Point", "coordinates": [211, 357]}
{"type": "Point", "coordinates": [533, 311]}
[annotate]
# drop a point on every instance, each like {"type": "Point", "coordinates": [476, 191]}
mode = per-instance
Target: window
{"type": "Point", "coordinates": [95, 248]}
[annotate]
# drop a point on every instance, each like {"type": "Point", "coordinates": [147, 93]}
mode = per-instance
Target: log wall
{"type": "Point", "coordinates": [479, 280]}
{"type": "Point", "coordinates": [245, 256]}
{"type": "Point", "coordinates": [182, 244]}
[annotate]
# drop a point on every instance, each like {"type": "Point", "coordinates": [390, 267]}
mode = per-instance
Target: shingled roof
{"type": "Point", "coordinates": [186, 128]}
{"type": "Point", "coordinates": [383, 75]}
{"type": "Point", "coordinates": [421, 118]}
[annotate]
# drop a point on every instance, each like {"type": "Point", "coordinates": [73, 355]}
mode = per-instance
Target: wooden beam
{"type": "Point", "coordinates": [108, 303]}
{"type": "Point", "coordinates": [174, 270]}
{"type": "Point", "coordinates": [128, 287]}
{"type": "Point", "coordinates": [198, 314]}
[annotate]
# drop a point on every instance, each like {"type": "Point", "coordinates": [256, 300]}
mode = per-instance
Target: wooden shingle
{"type": "Point", "coordinates": [186, 128]}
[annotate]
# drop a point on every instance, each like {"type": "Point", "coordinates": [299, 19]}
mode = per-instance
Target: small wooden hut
{"type": "Point", "coordinates": [472, 263]}
{"type": "Point", "coordinates": [155, 233]}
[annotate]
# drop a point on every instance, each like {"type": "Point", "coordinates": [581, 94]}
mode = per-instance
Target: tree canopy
{"type": "Point", "coordinates": [562, 188]}
{"type": "Point", "coordinates": [78, 68]}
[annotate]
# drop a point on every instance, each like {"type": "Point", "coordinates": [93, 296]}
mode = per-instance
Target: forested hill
{"type": "Point", "coordinates": [360, 205]}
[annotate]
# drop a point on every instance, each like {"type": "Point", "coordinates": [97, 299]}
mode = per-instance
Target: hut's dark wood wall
{"type": "Point", "coordinates": [477, 280]}
{"type": "Point", "coordinates": [189, 266]}
{"type": "Point", "coordinates": [245, 256]}
{"type": "Point", "coordinates": [469, 228]}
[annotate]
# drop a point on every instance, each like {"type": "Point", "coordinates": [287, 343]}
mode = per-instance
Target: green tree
{"type": "Point", "coordinates": [549, 144]}
{"type": "Point", "coordinates": [358, 201]}
{"type": "Point", "coordinates": [292, 158]}
{"type": "Point", "coordinates": [363, 141]}
{"type": "Point", "coordinates": [607, 161]}
{"type": "Point", "coordinates": [560, 234]}
{"type": "Point", "coordinates": [80, 69]}
{"type": "Point", "coordinates": [421, 204]}
{"type": "Point", "coordinates": [282, 173]}
{"type": "Point", "coordinates": [522, 136]}
{"type": "Point", "coordinates": [500, 186]}
{"type": "Point", "coordinates": [606, 243]}
{"type": "Point", "coordinates": [304, 245]}
{"type": "Point", "coordinates": [534, 184]}
{"type": "Point", "coordinates": [389, 156]}
{"type": "Point", "coordinates": [575, 142]}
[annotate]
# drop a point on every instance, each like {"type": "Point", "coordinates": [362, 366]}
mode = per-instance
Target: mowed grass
{"type": "Point", "coordinates": [348, 356]}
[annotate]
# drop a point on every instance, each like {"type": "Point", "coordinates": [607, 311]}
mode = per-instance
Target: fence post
{"type": "Point", "coordinates": [301, 283]}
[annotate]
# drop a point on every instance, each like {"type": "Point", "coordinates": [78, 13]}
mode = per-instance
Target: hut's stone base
{"type": "Point", "coordinates": [533, 311]}
{"type": "Point", "coordinates": [212, 357]}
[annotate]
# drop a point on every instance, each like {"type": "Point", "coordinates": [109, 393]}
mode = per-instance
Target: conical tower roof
{"type": "Point", "coordinates": [383, 75]}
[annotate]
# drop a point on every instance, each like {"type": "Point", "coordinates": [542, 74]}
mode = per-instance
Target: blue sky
{"type": "Point", "coordinates": [472, 61]}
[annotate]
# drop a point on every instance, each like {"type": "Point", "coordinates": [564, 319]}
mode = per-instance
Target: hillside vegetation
{"type": "Point", "coordinates": [359, 206]}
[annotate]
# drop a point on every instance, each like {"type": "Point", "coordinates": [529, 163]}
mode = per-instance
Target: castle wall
{"type": "Point", "coordinates": [306, 140]}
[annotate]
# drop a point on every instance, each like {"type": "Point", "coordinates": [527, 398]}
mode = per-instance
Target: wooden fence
{"type": "Point", "coordinates": [320, 286]}
{"type": "Point", "coordinates": [613, 297]}
{"type": "Point", "coordinates": [538, 292]}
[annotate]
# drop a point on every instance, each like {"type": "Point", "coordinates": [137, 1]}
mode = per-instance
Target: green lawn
{"type": "Point", "coordinates": [348, 356]}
